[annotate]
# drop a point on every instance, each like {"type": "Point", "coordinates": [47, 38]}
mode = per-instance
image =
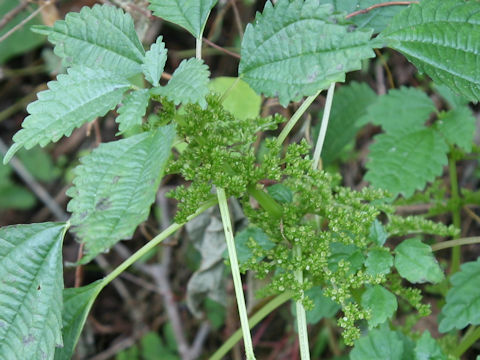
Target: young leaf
{"type": "Point", "coordinates": [244, 252]}
{"type": "Point", "coordinates": [405, 108]}
{"type": "Point", "coordinates": [80, 96]}
{"type": "Point", "coordinates": [299, 47]}
{"type": "Point", "coordinates": [428, 349]}
{"type": "Point", "coordinates": [99, 37]}
{"type": "Point", "coordinates": [31, 296]}
{"type": "Point", "coordinates": [442, 38]}
{"type": "Point", "coordinates": [379, 261]}
{"type": "Point", "coordinates": [381, 303]}
{"type": "Point", "coordinates": [133, 109]}
{"type": "Point", "coordinates": [463, 299]}
{"type": "Point", "coordinates": [154, 62]}
{"type": "Point", "coordinates": [458, 127]}
{"type": "Point", "coordinates": [378, 234]}
{"type": "Point", "coordinates": [115, 186]}
{"type": "Point", "coordinates": [76, 306]}
{"type": "Point", "coordinates": [378, 345]}
{"type": "Point", "coordinates": [405, 161]}
{"type": "Point", "coordinates": [189, 14]}
{"type": "Point", "coordinates": [415, 262]}
{"type": "Point", "coordinates": [188, 85]}
{"type": "Point", "coordinates": [349, 105]}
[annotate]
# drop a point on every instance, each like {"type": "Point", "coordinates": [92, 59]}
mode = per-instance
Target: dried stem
{"type": "Point", "coordinates": [12, 13]}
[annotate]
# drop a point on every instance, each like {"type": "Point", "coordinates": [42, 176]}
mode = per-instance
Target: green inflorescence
{"type": "Point", "coordinates": [323, 219]}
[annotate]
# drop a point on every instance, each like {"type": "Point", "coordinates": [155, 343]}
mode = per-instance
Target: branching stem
{"type": "Point", "coordinates": [237, 280]}
{"type": "Point", "coordinates": [376, 6]}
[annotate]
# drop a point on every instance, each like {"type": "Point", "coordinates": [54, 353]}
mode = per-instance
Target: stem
{"type": "Point", "coordinates": [152, 243]}
{"type": "Point", "coordinates": [266, 201]}
{"type": "Point", "coordinates": [452, 168]}
{"type": "Point", "coordinates": [293, 120]}
{"type": "Point", "coordinates": [301, 315]}
{"type": "Point", "coordinates": [198, 48]}
{"type": "Point", "coordinates": [324, 125]}
{"type": "Point", "coordinates": [237, 281]}
{"type": "Point", "coordinates": [456, 242]}
{"type": "Point", "coordinates": [468, 340]}
{"type": "Point", "coordinates": [376, 6]}
{"type": "Point", "coordinates": [254, 320]}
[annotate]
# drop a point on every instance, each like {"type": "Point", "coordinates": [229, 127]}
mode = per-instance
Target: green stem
{"type": "Point", "coordinates": [266, 201]}
{"type": "Point", "coordinates": [293, 120]}
{"type": "Point", "coordinates": [152, 243]}
{"type": "Point", "coordinates": [254, 320]}
{"type": "Point", "coordinates": [456, 201]}
{"type": "Point", "coordinates": [237, 281]}
{"type": "Point", "coordinates": [457, 242]}
{"type": "Point", "coordinates": [324, 125]}
{"type": "Point", "coordinates": [301, 315]}
{"type": "Point", "coordinates": [198, 48]}
{"type": "Point", "coordinates": [468, 340]}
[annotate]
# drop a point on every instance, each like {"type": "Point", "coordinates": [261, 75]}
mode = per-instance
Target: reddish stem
{"type": "Point", "coordinates": [376, 6]}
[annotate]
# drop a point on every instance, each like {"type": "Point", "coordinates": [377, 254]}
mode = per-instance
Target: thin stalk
{"type": "Point", "coordinates": [198, 48]}
{"type": "Point", "coordinates": [152, 243]}
{"type": "Point", "coordinates": [293, 120]}
{"type": "Point", "coordinates": [254, 320]}
{"type": "Point", "coordinates": [467, 341]}
{"type": "Point", "coordinates": [301, 314]}
{"type": "Point", "coordinates": [457, 242]}
{"type": "Point", "coordinates": [323, 126]}
{"type": "Point", "coordinates": [452, 168]}
{"type": "Point", "coordinates": [237, 281]}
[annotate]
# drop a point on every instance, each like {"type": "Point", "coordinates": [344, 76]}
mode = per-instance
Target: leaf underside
{"type": "Point", "coordinates": [463, 299]}
{"type": "Point", "coordinates": [115, 186]}
{"type": "Point", "coordinates": [154, 62]}
{"type": "Point", "coordinates": [189, 14]}
{"type": "Point", "coordinates": [442, 38]}
{"type": "Point", "coordinates": [73, 99]}
{"type": "Point", "coordinates": [296, 48]}
{"type": "Point", "coordinates": [31, 290]}
{"type": "Point", "coordinates": [99, 37]}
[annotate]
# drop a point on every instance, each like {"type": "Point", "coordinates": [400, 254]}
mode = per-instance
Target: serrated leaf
{"type": "Point", "coordinates": [188, 85]}
{"type": "Point", "coordinates": [115, 186]}
{"type": "Point", "coordinates": [381, 303]}
{"type": "Point", "coordinates": [349, 105]}
{"type": "Point", "coordinates": [238, 97]}
{"type": "Point", "coordinates": [242, 239]}
{"type": "Point", "coordinates": [463, 299]}
{"type": "Point", "coordinates": [379, 261]}
{"type": "Point", "coordinates": [415, 262]}
{"type": "Point", "coordinates": [323, 307]}
{"type": "Point", "coordinates": [458, 127]}
{"type": "Point", "coordinates": [442, 38]}
{"type": "Point", "coordinates": [453, 100]}
{"type": "Point", "coordinates": [154, 62]}
{"type": "Point", "coordinates": [405, 108]}
{"type": "Point", "coordinates": [189, 14]}
{"type": "Point", "coordinates": [31, 297]}
{"type": "Point", "coordinates": [280, 193]}
{"type": "Point", "coordinates": [381, 344]}
{"type": "Point", "coordinates": [133, 110]}
{"type": "Point", "coordinates": [405, 161]}
{"type": "Point", "coordinates": [349, 253]}
{"type": "Point", "coordinates": [378, 234]}
{"type": "Point", "coordinates": [298, 47]}
{"type": "Point", "coordinates": [99, 37]}
{"type": "Point", "coordinates": [77, 303]}
{"type": "Point", "coordinates": [73, 99]}
{"type": "Point", "coordinates": [427, 348]}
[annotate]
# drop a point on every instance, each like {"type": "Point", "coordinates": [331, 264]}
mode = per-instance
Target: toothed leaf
{"type": "Point", "coordinates": [188, 85]}
{"type": "Point", "coordinates": [442, 38]}
{"type": "Point", "coordinates": [115, 186]}
{"type": "Point", "coordinates": [458, 127]}
{"type": "Point", "coordinates": [31, 296]}
{"type": "Point", "coordinates": [189, 14]}
{"type": "Point", "coordinates": [381, 303]}
{"type": "Point", "coordinates": [154, 62]}
{"type": "Point", "coordinates": [462, 306]}
{"type": "Point", "coordinates": [379, 261]}
{"type": "Point", "coordinates": [99, 37]}
{"type": "Point", "coordinates": [378, 344]}
{"type": "Point", "coordinates": [428, 349]}
{"type": "Point", "coordinates": [298, 47]}
{"type": "Point", "coordinates": [133, 109]}
{"type": "Point", "coordinates": [415, 262]}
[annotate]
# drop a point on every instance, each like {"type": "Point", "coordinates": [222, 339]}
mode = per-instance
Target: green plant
{"type": "Point", "coordinates": [320, 243]}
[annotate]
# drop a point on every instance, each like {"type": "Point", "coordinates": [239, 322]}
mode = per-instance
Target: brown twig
{"type": "Point", "coordinates": [228, 52]}
{"type": "Point", "coordinates": [238, 20]}
{"type": "Point", "coordinates": [387, 69]}
{"type": "Point", "coordinates": [12, 13]}
{"type": "Point", "coordinates": [376, 6]}
{"type": "Point", "coordinates": [24, 21]}
{"type": "Point", "coordinates": [79, 269]}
